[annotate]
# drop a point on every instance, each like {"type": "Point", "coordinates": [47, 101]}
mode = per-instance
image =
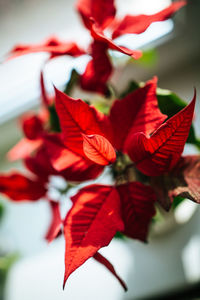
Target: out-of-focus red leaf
{"type": "Point", "coordinates": [19, 188]}
{"type": "Point", "coordinates": [183, 180]}
{"type": "Point", "coordinates": [32, 126]}
{"type": "Point", "coordinates": [23, 149]}
{"type": "Point", "coordinates": [40, 165]}
{"type": "Point", "coordinates": [102, 11]}
{"type": "Point", "coordinates": [77, 117]}
{"type": "Point", "coordinates": [159, 153]}
{"type": "Point", "coordinates": [102, 260]}
{"type": "Point", "coordinates": [90, 224]}
{"type": "Point", "coordinates": [98, 70]}
{"type": "Point", "coordinates": [70, 165]}
{"type": "Point", "coordinates": [137, 202]}
{"type": "Point", "coordinates": [53, 46]}
{"type": "Point", "coordinates": [98, 149]}
{"type": "Point", "coordinates": [138, 24]}
{"type": "Point", "coordinates": [56, 221]}
{"type": "Point", "coordinates": [137, 112]}
{"type": "Point", "coordinates": [98, 35]}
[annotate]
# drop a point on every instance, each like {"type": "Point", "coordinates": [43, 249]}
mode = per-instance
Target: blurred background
{"type": "Point", "coordinates": [36, 268]}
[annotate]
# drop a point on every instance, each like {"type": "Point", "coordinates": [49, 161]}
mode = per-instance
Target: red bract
{"type": "Point", "coordinates": [77, 118]}
{"type": "Point", "coordinates": [19, 188]}
{"type": "Point", "coordinates": [32, 126]}
{"type": "Point", "coordinates": [102, 11]}
{"type": "Point", "coordinates": [138, 24]}
{"type": "Point", "coordinates": [102, 260]}
{"type": "Point", "coordinates": [159, 153]}
{"type": "Point", "coordinates": [90, 224]}
{"type": "Point", "coordinates": [137, 112]}
{"type": "Point", "coordinates": [98, 149]}
{"type": "Point", "coordinates": [53, 46]}
{"type": "Point", "coordinates": [55, 226]}
{"type": "Point", "coordinates": [98, 35]}
{"type": "Point", "coordinates": [23, 148]}
{"type": "Point", "coordinates": [137, 202]}
{"type": "Point", "coordinates": [33, 187]}
{"type": "Point", "coordinates": [98, 70]}
{"type": "Point", "coordinates": [75, 167]}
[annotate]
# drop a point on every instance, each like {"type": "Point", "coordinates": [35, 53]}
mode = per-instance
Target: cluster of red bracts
{"type": "Point", "coordinates": [99, 69]}
{"type": "Point", "coordinates": [133, 137]}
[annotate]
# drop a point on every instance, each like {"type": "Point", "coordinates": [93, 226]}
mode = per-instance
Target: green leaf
{"type": "Point", "coordinates": [177, 200]}
{"type": "Point", "coordinates": [54, 120]}
{"type": "Point", "coordinates": [119, 236]}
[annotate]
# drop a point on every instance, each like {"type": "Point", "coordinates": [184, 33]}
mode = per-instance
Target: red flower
{"type": "Point", "coordinates": [92, 135]}
{"type": "Point", "coordinates": [133, 137]}
{"type": "Point", "coordinates": [99, 69]}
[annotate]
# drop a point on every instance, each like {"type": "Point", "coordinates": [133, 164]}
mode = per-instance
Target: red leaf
{"type": "Point", "coordinates": [102, 260]}
{"type": "Point", "coordinates": [53, 46]}
{"type": "Point", "coordinates": [70, 165]}
{"type": "Point", "coordinates": [137, 112]}
{"type": "Point", "coordinates": [18, 187]}
{"type": "Point", "coordinates": [159, 153]}
{"type": "Point", "coordinates": [40, 165]}
{"type": "Point", "coordinates": [23, 149]}
{"type": "Point", "coordinates": [56, 222]}
{"type": "Point", "coordinates": [98, 35]}
{"type": "Point", "coordinates": [138, 24]}
{"type": "Point", "coordinates": [94, 9]}
{"type": "Point", "coordinates": [90, 224]}
{"type": "Point", "coordinates": [32, 126]}
{"type": "Point", "coordinates": [98, 149]}
{"type": "Point", "coordinates": [98, 70]}
{"type": "Point", "coordinates": [77, 117]}
{"type": "Point", "coordinates": [137, 209]}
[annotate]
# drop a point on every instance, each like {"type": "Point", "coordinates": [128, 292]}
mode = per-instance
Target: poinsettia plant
{"type": "Point", "coordinates": [138, 136]}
